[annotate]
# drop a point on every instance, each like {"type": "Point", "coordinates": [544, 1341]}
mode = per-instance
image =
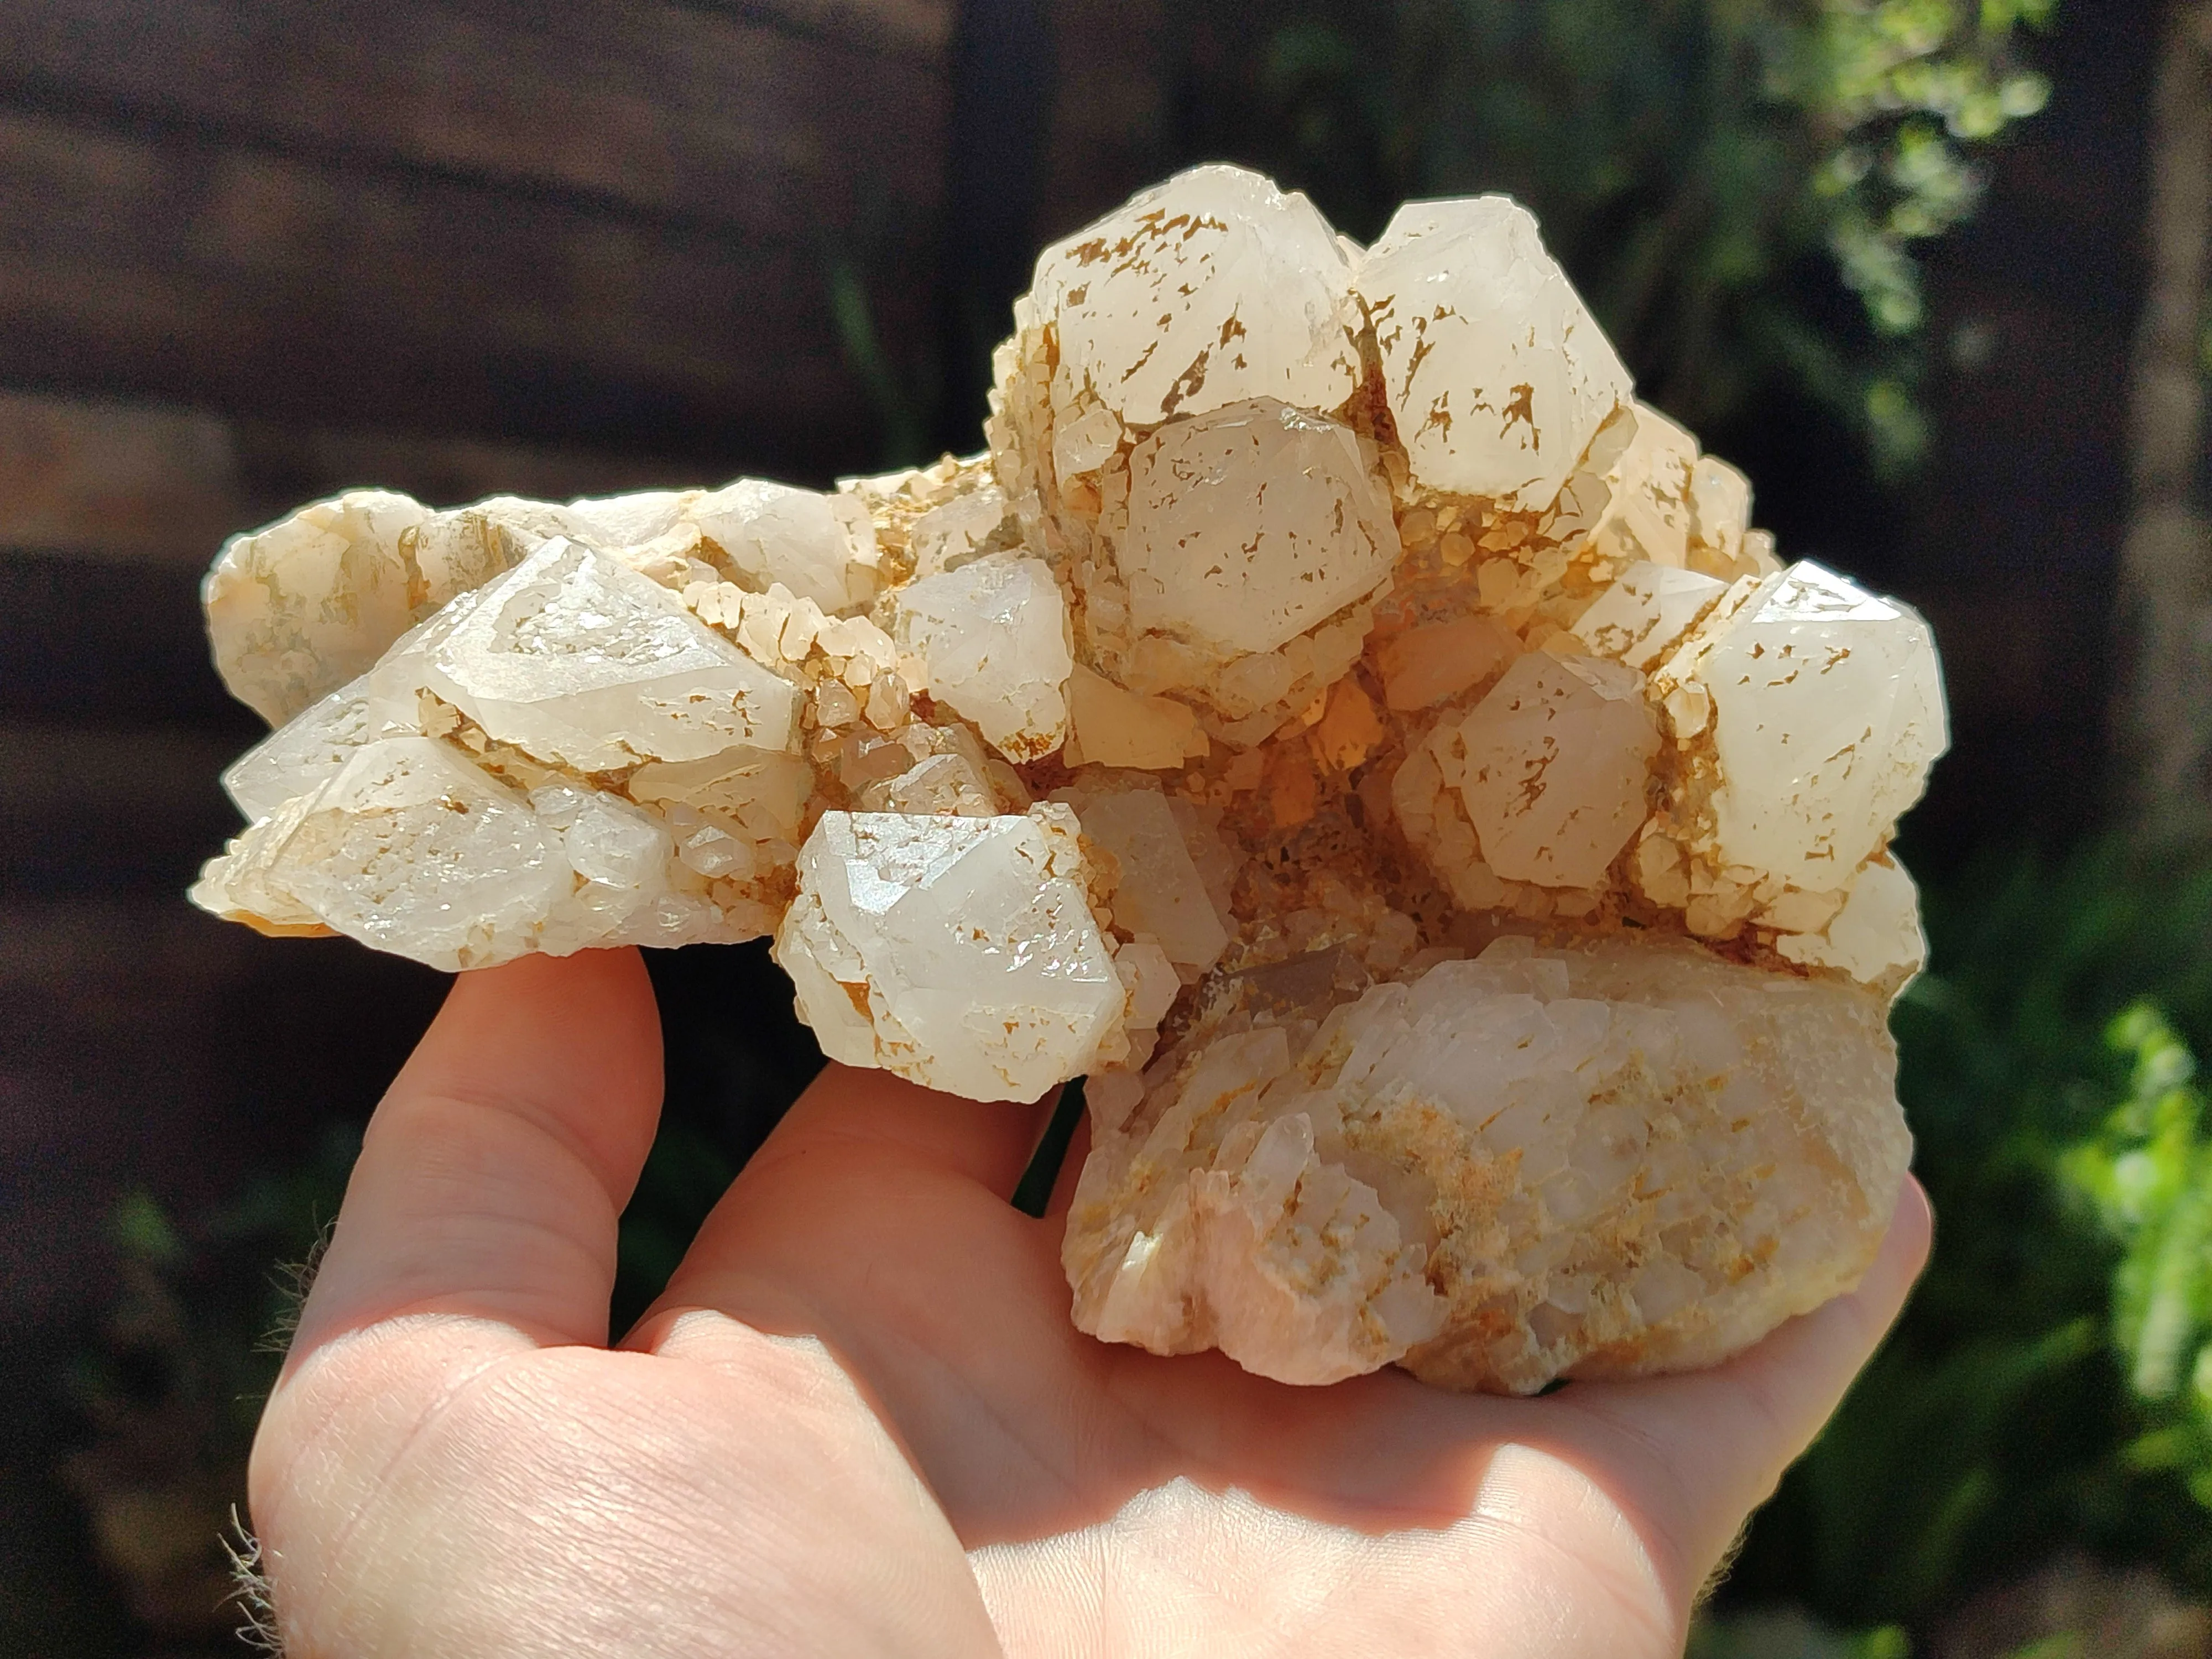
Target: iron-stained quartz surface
{"type": "Point", "coordinates": [1333, 715]}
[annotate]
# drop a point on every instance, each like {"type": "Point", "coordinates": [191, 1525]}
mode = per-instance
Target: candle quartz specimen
{"type": "Point", "coordinates": [1332, 715]}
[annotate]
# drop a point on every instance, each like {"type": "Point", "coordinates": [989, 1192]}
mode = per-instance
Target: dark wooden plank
{"type": "Point", "coordinates": [921, 27]}
{"type": "Point", "coordinates": [119, 479]}
{"type": "Point", "coordinates": [265, 286]}
{"type": "Point", "coordinates": [95, 809]}
{"type": "Point", "coordinates": [670, 109]}
{"type": "Point", "coordinates": [149, 1046]}
{"type": "Point", "coordinates": [91, 640]}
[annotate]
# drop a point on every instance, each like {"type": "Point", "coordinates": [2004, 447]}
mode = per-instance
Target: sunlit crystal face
{"type": "Point", "coordinates": [1827, 711]}
{"type": "Point", "coordinates": [573, 658]}
{"type": "Point", "coordinates": [1645, 612]}
{"type": "Point", "coordinates": [1249, 526]}
{"type": "Point", "coordinates": [1555, 765]}
{"type": "Point", "coordinates": [1496, 374]}
{"type": "Point", "coordinates": [978, 967]}
{"type": "Point", "coordinates": [994, 634]}
{"type": "Point", "coordinates": [1213, 286]}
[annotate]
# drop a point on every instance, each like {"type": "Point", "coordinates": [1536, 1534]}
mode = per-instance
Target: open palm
{"type": "Point", "coordinates": [859, 1422]}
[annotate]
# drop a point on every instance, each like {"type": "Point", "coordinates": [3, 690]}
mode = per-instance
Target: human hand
{"type": "Point", "coordinates": [859, 1421]}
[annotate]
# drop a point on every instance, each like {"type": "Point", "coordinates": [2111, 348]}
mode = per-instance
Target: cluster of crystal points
{"type": "Point", "coordinates": [1333, 715]}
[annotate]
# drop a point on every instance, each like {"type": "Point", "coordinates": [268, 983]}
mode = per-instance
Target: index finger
{"type": "Point", "coordinates": [495, 1169]}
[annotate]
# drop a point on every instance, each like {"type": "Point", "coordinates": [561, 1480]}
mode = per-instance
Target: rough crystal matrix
{"type": "Point", "coordinates": [1333, 715]}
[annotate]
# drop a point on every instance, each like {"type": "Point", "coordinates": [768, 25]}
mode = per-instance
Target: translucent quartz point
{"type": "Point", "coordinates": [1552, 767]}
{"type": "Point", "coordinates": [1333, 716]}
{"type": "Point", "coordinates": [823, 548]}
{"type": "Point", "coordinates": [1159, 893]}
{"type": "Point", "coordinates": [573, 658]}
{"type": "Point", "coordinates": [1496, 374]}
{"type": "Point", "coordinates": [1875, 937]}
{"type": "Point", "coordinates": [1593, 1161]}
{"type": "Point", "coordinates": [1249, 525]}
{"type": "Point", "coordinates": [1827, 713]}
{"type": "Point", "coordinates": [299, 755]}
{"type": "Point", "coordinates": [408, 844]}
{"type": "Point", "coordinates": [960, 952]}
{"type": "Point", "coordinates": [1209, 289]}
{"type": "Point", "coordinates": [995, 636]}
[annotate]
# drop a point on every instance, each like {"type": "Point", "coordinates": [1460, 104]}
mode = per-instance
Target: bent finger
{"type": "Point", "coordinates": [867, 1146]}
{"type": "Point", "coordinates": [494, 1171]}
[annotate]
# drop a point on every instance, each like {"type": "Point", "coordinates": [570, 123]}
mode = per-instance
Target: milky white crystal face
{"type": "Point", "coordinates": [821, 547]}
{"type": "Point", "coordinates": [1875, 937]}
{"type": "Point", "coordinates": [1827, 713]}
{"type": "Point", "coordinates": [995, 636]}
{"type": "Point", "coordinates": [1212, 288]}
{"type": "Point", "coordinates": [1556, 761]}
{"type": "Point", "coordinates": [1645, 612]}
{"type": "Point", "coordinates": [309, 602]}
{"type": "Point", "coordinates": [1651, 512]}
{"type": "Point", "coordinates": [960, 952]}
{"type": "Point", "coordinates": [1587, 1161]}
{"type": "Point", "coordinates": [1496, 374]}
{"type": "Point", "coordinates": [573, 658]}
{"type": "Point", "coordinates": [297, 757]}
{"type": "Point", "coordinates": [1249, 525]}
{"type": "Point", "coordinates": [409, 846]}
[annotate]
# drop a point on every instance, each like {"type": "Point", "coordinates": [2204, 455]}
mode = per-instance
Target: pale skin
{"type": "Point", "coordinates": [860, 1422]}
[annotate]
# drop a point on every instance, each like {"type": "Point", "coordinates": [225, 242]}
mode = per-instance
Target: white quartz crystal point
{"type": "Point", "coordinates": [1556, 761]}
{"type": "Point", "coordinates": [1498, 376]}
{"type": "Point", "coordinates": [1650, 511]}
{"type": "Point", "coordinates": [298, 608]}
{"type": "Point", "coordinates": [958, 952]}
{"type": "Point", "coordinates": [410, 849]}
{"type": "Point", "coordinates": [1209, 289]}
{"type": "Point", "coordinates": [1229, 1220]}
{"type": "Point", "coordinates": [1643, 614]}
{"type": "Point", "coordinates": [409, 846]}
{"type": "Point", "coordinates": [1249, 525]}
{"type": "Point", "coordinates": [995, 635]}
{"type": "Point", "coordinates": [577, 660]}
{"type": "Point", "coordinates": [821, 547]}
{"type": "Point", "coordinates": [299, 755]}
{"type": "Point", "coordinates": [1597, 1160]}
{"type": "Point", "coordinates": [1827, 708]}
{"type": "Point", "coordinates": [1876, 938]}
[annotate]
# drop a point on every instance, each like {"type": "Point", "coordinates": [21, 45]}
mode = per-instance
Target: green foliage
{"type": "Point", "coordinates": [2004, 1421]}
{"type": "Point", "coordinates": [1720, 176]}
{"type": "Point", "coordinates": [2147, 1172]}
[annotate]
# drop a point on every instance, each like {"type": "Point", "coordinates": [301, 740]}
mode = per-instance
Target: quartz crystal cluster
{"type": "Point", "coordinates": [1333, 715]}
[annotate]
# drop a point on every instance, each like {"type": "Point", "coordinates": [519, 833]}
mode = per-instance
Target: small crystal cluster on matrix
{"type": "Point", "coordinates": [1333, 715]}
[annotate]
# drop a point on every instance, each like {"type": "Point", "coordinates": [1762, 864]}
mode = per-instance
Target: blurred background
{"type": "Point", "coordinates": [1932, 271]}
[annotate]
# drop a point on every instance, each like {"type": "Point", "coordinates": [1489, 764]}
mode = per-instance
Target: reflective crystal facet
{"type": "Point", "coordinates": [1827, 712]}
{"type": "Point", "coordinates": [1209, 289]}
{"type": "Point", "coordinates": [1496, 374]}
{"type": "Point", "coordinates": [1249, 525]}
{"type": "Point", "coordinates": [958, 951]}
